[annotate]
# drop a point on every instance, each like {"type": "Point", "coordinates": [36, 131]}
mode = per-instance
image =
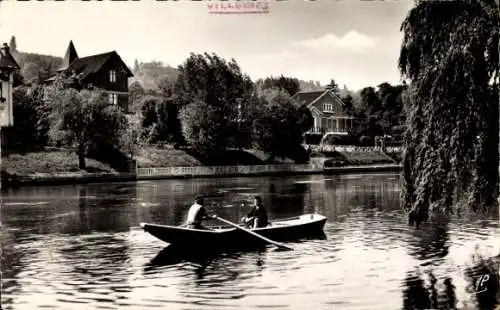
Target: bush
{"type": "Point", "coordinates": [339, 140]}
{"type": "Point", "coordinates": [366, 141]}
{"type": "Point", "coordinates": [314, 139]}
{"type": "Point", "coordinates": [110, 155]}
{"type": "Point", "coordinates": [30, 130]}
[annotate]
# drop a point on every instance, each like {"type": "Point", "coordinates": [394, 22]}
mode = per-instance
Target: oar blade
{"type": "Point", "coordinates": [283, 248]}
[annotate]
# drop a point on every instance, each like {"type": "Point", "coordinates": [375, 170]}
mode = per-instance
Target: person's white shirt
{"type": "Point", "coordinates": [193, 213]}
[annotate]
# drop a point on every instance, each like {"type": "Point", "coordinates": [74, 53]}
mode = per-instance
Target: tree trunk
{"type": "Point", "coordinates": [498, 6]}
{"type": "Point", "coordinates": [81, 158]}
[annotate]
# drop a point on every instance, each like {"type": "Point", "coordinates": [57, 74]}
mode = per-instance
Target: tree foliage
{"type": "Point", "coordinates": [378, 111]}
{"type": "Point", "coordinates": [279, 125]}
{"type": "Point", "coordinates": [450, 55]}
{"type": "Point", "coordinates": [130, 136]}
{"type": "Point", "coordinates": [30, 128]}
{"type": "Point", "coordinates": [288, 84]}
{"type": "Point", "coordinates": [203, 127]}
{"type": "Point", "coordinates": [135, 94]}
{"type": "Point", "coordinates": [221, 90]}
{"type": "Point", "coordinates": [213, 80]}
{"type": "Point", "coordinates": [160, 120]}
{"type": "Point", "coordinates": [35, 68]}
{"type": "Point", "coordinates": [13, 44]}
{"type": "Point", "coordinates": [32, 73]}
{"type": "Point", "coordinates": [82, 120]}
{"type": "Point", "coordinates": [310, 86]}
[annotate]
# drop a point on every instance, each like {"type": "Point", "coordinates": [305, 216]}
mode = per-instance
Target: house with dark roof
{"type": "Point", "coordinates": [328, 111]}
{"type": "Point", "coordinates": [105, 71]}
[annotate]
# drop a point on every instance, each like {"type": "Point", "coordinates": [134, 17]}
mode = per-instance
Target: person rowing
{"type": "Point", "coordinates": [197, 214]}
{"type": "Point", "coordinates": [257, 217]}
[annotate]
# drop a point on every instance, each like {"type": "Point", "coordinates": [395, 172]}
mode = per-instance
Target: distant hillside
{"type": "Point", "coordinates": [36, 67]}
{"type": "Point", "coordinates": [153, 75]}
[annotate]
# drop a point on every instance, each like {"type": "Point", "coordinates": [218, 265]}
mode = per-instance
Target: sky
{"type": "Point", "coordinates": [355, 42]}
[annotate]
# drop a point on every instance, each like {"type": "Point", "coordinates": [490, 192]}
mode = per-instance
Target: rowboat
{"type": "Point", "coordinates": [303, 226]}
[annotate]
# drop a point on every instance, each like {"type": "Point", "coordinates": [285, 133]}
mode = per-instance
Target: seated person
{"type": "Point", "coordinates": [257, 217]}
{"type": "Point", "coordinates": [196, 214]}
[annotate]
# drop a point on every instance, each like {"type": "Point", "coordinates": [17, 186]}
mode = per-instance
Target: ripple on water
{"type": "Point", "coordinates": [361, 264]}
{"type": "Point", "coordinates": [26, 203]}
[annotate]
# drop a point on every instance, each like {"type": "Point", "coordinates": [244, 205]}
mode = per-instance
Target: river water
{"type": "Point", "coordinates": [81, 247]}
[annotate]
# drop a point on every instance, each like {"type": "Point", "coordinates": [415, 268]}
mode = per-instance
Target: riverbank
{"type": "Point", "coordinates": [52, 160]}
{"type": "Point", "coordinates": [60, 167]}
{"type": "Point", "coordinates": [41, 179]}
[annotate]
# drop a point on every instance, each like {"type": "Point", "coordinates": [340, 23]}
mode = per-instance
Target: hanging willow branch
{"type": "Point", "coordinates": [450, 56]}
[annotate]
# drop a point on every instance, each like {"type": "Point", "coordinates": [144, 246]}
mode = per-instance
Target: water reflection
{"type": "Point", "coordinates": [418, 294]}
{"type": "Point", "coordinates": [80, 247]}
{"type": "Point", "coordinates": [83, 211]}
{"type": "Point", "coordinates": [483, 281]}
{"type": "Point", "coordinates": [427, 292]}
{"type": "Point", "coordinates": [431, 242]}
{"type": "Point", "coordinates": [12, 264]}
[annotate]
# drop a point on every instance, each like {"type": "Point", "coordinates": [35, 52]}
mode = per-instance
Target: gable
{"type": "Point", "coordinates": [329, 105]}
{"type": "Point", "coordinates": [118, 64]}
{"type": "Point", "coordinates": [115, 64]}
{"type": "Point", "coordinates": [86, 66]}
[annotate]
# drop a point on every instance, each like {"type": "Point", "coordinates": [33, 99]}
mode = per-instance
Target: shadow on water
{"type": "Point", "coordinates": [211, 273]}
{"type": "Point", "coordinates": [174, 254]}
{"type": "Point", "coordinates": [432, 240]}
{"type": "Point", "coordinates": [421, 294]}
{"type": "Point", "coordinates": [428, 292]}
{"type": "Point", "coordinates": [286, 198]}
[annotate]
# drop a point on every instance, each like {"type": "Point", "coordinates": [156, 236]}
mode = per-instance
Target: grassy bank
{"type": "Point", "coordinates": [154, 157]}
{"type": "Point", "coordinates": [48, 162]}
{"type": "Point", "coordinates": [61, 161]}
{"type": "Point", "coordinates": [367, 158]}
{"type": "Point", "coordinates": [354, 158]}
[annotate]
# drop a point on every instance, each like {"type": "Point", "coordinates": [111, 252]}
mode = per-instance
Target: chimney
{"type": "Point", "coordinates": [6, 59]}
{"type": "Point", "coordinates": [4, 50]}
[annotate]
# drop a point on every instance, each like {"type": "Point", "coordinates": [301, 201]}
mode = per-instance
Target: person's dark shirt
{"type": "Point", "coordinates": [259, 213]}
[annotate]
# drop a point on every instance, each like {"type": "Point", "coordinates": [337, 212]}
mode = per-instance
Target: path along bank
{"type": "Point", "coordinates": [39, 179]}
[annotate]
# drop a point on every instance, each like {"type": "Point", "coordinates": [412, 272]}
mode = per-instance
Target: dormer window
{"type": "Point", "coordinates": [112, 76]}
{"type": "Point", "coordinates": [327, 107]}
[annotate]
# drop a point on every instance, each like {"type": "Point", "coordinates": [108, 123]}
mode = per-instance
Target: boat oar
{"type": "Point", "coordinates": [279, 245]}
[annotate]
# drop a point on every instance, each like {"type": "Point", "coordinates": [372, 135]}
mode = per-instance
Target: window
{"type": "Point", "coordinates": [113, 99]}
{"type": "Point", "coordinates": [327, 107]}
{"type": "Point", "coordinates": [112, 76]}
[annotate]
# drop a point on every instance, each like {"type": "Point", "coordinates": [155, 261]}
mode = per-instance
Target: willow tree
{"type": "Point", "coordinates": [450, 56]}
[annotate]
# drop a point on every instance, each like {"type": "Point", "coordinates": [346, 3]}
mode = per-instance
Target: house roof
{"type": "Point", "coordinates": [306, 97]}
{"type": "Point", "coordinates": [86, 66]}
{"type": "Point", "coordinates": [92, 64]}
{"type": "Point", "coordinates": [6, 59]}
{"type": "Point", "coordinates": [69, 57]}
{"type": "Point", "coordinates": [310, 97]}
